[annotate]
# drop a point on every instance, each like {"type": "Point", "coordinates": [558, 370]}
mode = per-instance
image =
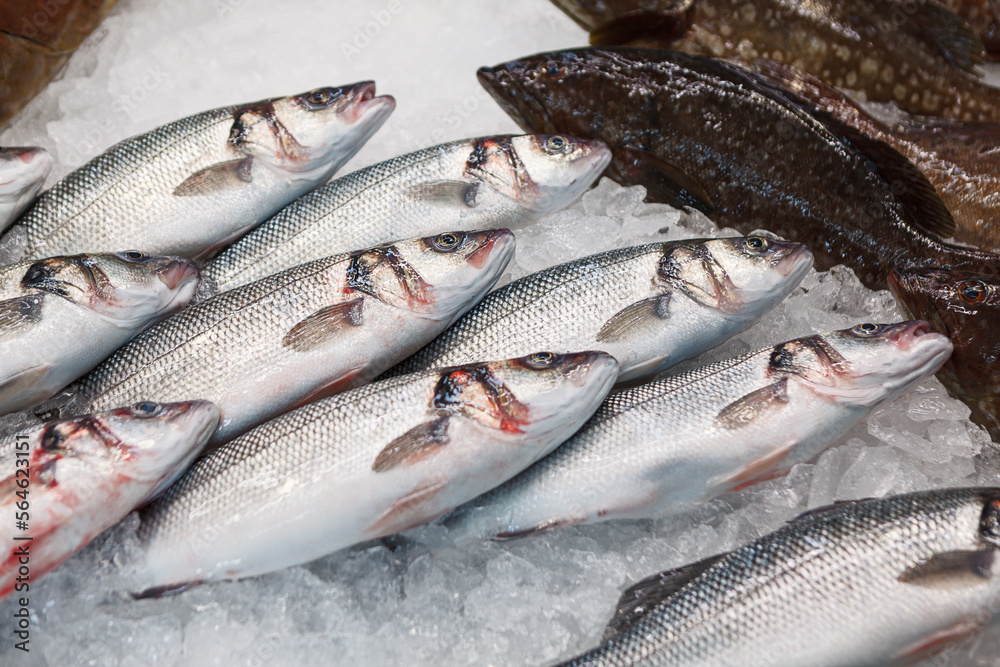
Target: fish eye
{"type": "Point", "coordinates": [319, 98]}
{"type": "Point", "coordinates": [447, 241]}
{"type": "Point", "coordinates": [867, 329]}
{"type": "Point", "coordinates": [972, 291]}
{"type": "Point", "coordinates": [556, 144]}
{"type": "Point", "coordinates": [755, 244]}
{"type": "Point", "coordinates": [540, 360]}
{"type": "Point", "coordinates": [134, 255]}
{"type": "Point", "coordinates": [146, 409]}
{"type": "Point", "coordinates": [553, 70]}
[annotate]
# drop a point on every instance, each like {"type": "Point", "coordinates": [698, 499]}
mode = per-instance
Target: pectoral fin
{"type": "Point", "coordinates": [217, 178]}
{"type": "Point", "coordinates": [413, 445]}
{"type": "Point", "coordinates": [324, 324]}
{"type": "Point", "coordinates": [633, 317]}
{"type": "Point", "coordinates": [664, 25]}
{"type": "Point", "coordinates": [952, 569]}
{"type": "Point", "coordinates": [664, 181]}
{"type": "Point", "coordinates": [20, 311]}
{"type": "Point", "coordinates": [446, 193]}
{"type": "Point", "coordinates": [754, 405]}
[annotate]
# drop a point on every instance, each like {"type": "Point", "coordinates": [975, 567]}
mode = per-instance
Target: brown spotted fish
{"type": "Point", "coordinates": [965, 306]}
{"type": "Point", "coordinates": [702, 133]}
{"type": "Point", "coordinates": [915, 53]}
{"type": "Point", "coordinates": [983, 16]}
{"type": "Point", "coordinates": [374, 461]}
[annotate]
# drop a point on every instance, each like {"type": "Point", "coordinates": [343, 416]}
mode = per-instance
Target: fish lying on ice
{"type": "Point", "coordinates": [867, 582]}
{"type": "Point", "coordinates": [75, 478]}
{"type": "Point", "coordinates": [304, 333]}
{"type": "Point", "coordinates": [193, 186]}
{"type": "Point", "coordinates": [61, 316]}
{"type": "Point", "coordinates": [374, 461]}
{"type": "Point", "coordinates": [666, 445]}
{"type": "Point", "coordinates": [502, 181]}
{"type": "Point", "coordinates": [650, 306]}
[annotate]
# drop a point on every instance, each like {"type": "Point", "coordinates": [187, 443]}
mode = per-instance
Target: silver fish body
{"type": "Point", "coordinates": [192, 186]}
{"type": "Point", "coordinates": [501, 181]}
{"type": "Point", "coordinates": [870, 582]}
{"type": "Point", "coordinates": [23, 171]}
{"type": "Point", "coordinates": [301, 334]}
{"type": "Point", "coordinates": [666, 445]}
{"type": "Point", "coordinates": [649, 306]}
{"type": "Point", "coordinates": [61, 316]}
{"type": "Point", "coordinates": [80, 476]}
{"type": "Point", "coordinates": [374, 461]}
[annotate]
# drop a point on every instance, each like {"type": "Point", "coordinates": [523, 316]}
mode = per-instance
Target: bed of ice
{"type": "Point", "coordinates": [417, 599]}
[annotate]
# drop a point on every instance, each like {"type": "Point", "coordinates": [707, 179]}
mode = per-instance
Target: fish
{"type": "Point", "coordinates": [37, 38]}
{"type": "Point", "coordinates": [965, 306]}
{"type": "Point", "coordinates": [864, 582]}
{"type": "Point", "coordinates": [193, 186]}
{"type": "Point", "coordinates": [666, 446]}
{"type": "Point", "coordinates": [650, 306]}
{"type": "Point", "coordinates": [61, 316]}
{"type": "Point", "coordinates": [703, 134]}
{"type": "Point", "coordinates": [302, 334]}
{"type": "Point", "coordinates": [498, 181]}
{"type": "Point", "coordinates": [373, 461]}
{"type": "Point", "coordinates": [914, 53]}
{"type": "Point", "coordinates": [75, 478]}
{"type": "Point", "coordinates": [23, 171]}
{"type": "Point", "coordinates": [983, 16]}
{"type": "Point", "coordinates": [961, 160]}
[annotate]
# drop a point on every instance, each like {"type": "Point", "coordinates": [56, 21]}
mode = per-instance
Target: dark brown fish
{"type": "Point", "coordinates": [965, 306]}
{"type": "Point", "coordinates": [915, 53]}
{"type": "Point", "coordinates": [983, 16]}
{"type": "Point", "coordinates": [961, 160]}
{"type": "Point", "coordinates": [703, 133]}
{"type": "Point", "coordinates": [37, 37]}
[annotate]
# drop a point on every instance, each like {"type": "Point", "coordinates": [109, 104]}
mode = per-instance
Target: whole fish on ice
{"type": "Point", "coordinates": [500, 181]}
{"type": "Point", "coordinates": [370, 462]}
{"type": "Point", "coordinates": [662, 446]}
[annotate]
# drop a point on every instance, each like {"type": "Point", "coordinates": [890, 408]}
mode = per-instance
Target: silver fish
{"type": "Point", "coordinates": [374, 461]}
{"type": "Point", "coordinates": [649, 306]}
{"type": "Point", "coordinates": [78, 477]}
{"type": "Point", "coordinates": [305, 333]}
{"type": "Point", "coordinates": [22, 174]}
{"type": "Point", "coordinates": [502, 181]}
{"type": "Point", "coordinates": [192, 186]}
{"type": "Point", "coordinates": [61, 316]}
{"type": "Point", "coordinates": [685, 439]}
{"type": "Point", "coordinates": [870, 582]}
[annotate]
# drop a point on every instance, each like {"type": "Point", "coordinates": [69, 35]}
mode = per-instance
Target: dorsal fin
{"type": "Point", "coordinates": [646, 595]}
{"type": "Point", "coordinates": [946, 32]}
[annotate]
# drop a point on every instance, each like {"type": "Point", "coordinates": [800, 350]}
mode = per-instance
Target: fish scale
{"type": "Point", "coordinates": [841, 585]}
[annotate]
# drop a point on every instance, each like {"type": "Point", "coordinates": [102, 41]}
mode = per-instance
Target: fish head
{"type": "Point", "coordinates": [435, 277]}
{"type": "Point", "coordinates": [741, 276]}
{"type": "Point", "coordinates": [534, 395]}
{"type": "Point", "coordinates": [309, 136]}
{"type": "Point", "coordinates": [127, 289]}
{"type": "Point", "coordinates": [866, 365]}
{"type": "Point", "coordinates": [139, 443]}
{"type": "Point", "coordinates": [541, 172]}
{"type": "Point", "coordinates": [965, 306]}
{"type": "Point", "coordinates": [23, 171]}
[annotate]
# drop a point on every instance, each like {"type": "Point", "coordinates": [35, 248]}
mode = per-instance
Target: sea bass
{"type": "Point", "coordinates": [662, 446]}
{"type": "Point", "coordinates": [502, 181]}
{"type": "Point", "coordinates": [915, 53]}
{"type": "Point", "coordinates": [80, 476]}
{"type": "Point", "coordinates": [706, 134]}
{"type": "Point", "coordinates": [193, 186]}
{"type": "Point", "coordinates": [650, 306]}
{"type": "Point", "coordinates": [869, 582]}
{"type": "Point", "coordinates": [61, 316]}
{"type": "Point", "coordinates": [965, 306]}
{"type": "Point", "coordinates": [374, 461]}
{"type": "Point", "coordinates": [304, 333]}
{"type": "Point", "coordinates": [22, 174]}
{"type": "Point", "coordinates": [961, 160]}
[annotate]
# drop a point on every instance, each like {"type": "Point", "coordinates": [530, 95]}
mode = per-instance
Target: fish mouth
{"type": "Point", "coordinates": [361, 104]}
{"type": "Point", "coordinates": [583, 365]}
{"type": "Point", "coordinates": [177, 272]}
{"type": "Point", "coordinates": [27, 168]}
{"type": "Point", "coordinates": [793, 260]}
{"type": "Point", "coordinates": [514, 99]}
{"type": "Point", "coordinates": [498, 241]}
